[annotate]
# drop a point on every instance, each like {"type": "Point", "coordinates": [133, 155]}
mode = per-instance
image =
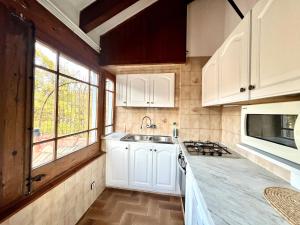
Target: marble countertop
{"type": "Point", "coordinates": [232, 189]}
{"type": "Point", "coordinates": [114, 136]}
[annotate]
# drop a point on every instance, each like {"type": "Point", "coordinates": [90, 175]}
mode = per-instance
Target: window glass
{"type": "Point", "coordinates": [42, 154]}
{"type": "Point", "coordinates": [109, 106]}
{"type": "Point", "coordinates": [44, 105]}
{"type": "Point", "coordinates": [94, 79]}
{"type": "Point", "coordinates": [71, 144]}
{"type": "Point", "coordinates": [93, 107]}
{"type": "Point", "coordinates": [109, 85]}
{"type": "Point", "coordinates": [73, 99]}
{"type": "Point", "coordinates": [108, 130]}
{"type": "Point", "coordinates": [93, 136]}
{"type": "Point", "coordinates": [72, 69]}
{"type": "Point", "coordinates": [45, 56]}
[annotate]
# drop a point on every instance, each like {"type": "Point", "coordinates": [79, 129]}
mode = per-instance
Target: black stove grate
{"type": "Point", "coordinates": [206, 148]}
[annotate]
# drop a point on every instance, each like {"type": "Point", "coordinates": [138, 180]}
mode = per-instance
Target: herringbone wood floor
{"type": "Point", "coordinates": [121, 207]}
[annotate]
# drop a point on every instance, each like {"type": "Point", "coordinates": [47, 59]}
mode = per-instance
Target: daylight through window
{"type": "Point", "coordinates": [65, 106]}
{"type": "Point", "coordinates": [109, 106]}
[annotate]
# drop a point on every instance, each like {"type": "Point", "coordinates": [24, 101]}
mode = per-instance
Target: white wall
{"type": "Point", "coordinates": [209, 22]}
{"type": "Point", "coordinates": [205, 27]}
{"type": "Point", "coordinates": [232, 19]}
{"type": "Point", "coordinates": [67, 202]}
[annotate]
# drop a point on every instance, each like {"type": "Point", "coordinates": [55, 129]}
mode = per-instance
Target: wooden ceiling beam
{"type": "Point", "coordinates": [100, 11]}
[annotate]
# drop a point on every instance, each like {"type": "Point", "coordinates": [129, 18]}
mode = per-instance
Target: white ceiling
{"type": "Point", "coordinates": [68, 12]}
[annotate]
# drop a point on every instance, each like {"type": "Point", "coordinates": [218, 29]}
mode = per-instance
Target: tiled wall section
{"type": "Point", "coordinates": [66, 203]}
{"type": "Point", "coordinates": [231, 123]}
{"type": "Point", "coordinates": [196, 122]}
{"type": "Point", "coordinates": [128, 120]}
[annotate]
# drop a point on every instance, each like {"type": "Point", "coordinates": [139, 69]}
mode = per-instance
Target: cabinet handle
{"type": "Point", "coordinates": [124, 102]}
{"type": "Point", "coordinates": [155, 150]}
{"type": "Point", "coordinates": [126, 148]}
{"type": "Point", "coordinates": [150, 150]}
{"type": "Point", "coordinates": [152, 102]}
{"type": "Point", "coordinates": [251, 87]}
{"type": "Point", "coordinates": [242, 89]}
{"type": "Point", "coordinates": [148, 102]}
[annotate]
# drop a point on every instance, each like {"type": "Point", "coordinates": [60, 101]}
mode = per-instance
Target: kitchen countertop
{"type": "Point", "coordinates": [233, 190]}
{"type": "Point", "coordinates": [114, 136]}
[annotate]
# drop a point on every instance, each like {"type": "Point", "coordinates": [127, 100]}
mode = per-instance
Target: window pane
{"type": "Point", "coordinates": [109, 108]}
{"type": "Point", "coordinates": [42, 154]}
{"type": "Point", "coordinates": [93, 107]}
{"type": "Point", "coordinates": [94, 78]}
{"type": "Point", "coordinates": [109, 85]}
{"type": "Point", "coordinates": [93, 137]}
{"type": "Point", "coordinates": [45, 56]}
{"type": "Point", "coordinates": [44, 105]}
{"type": "Point", "coordinates": [72, 69]}
{"type": "Point", "coordinates": [71, 144]}
{"type": "Point", "coordinates": [108, 130]}
{"type": "Point", "coordinates": [73, 106]}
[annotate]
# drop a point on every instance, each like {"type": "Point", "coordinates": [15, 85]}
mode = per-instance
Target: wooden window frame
{"type": "Point", "coordinates": [113, 79]}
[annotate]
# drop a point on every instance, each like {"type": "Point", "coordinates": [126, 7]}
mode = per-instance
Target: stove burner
{"type": "Point", "coordinates": [205, 148]}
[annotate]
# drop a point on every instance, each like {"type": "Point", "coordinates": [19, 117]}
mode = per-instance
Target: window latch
{"type": "Point", "coordinates": [36, 178]}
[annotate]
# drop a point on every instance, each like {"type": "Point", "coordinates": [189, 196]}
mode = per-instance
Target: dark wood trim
{"type": "Point", "coordinates": [100, 11]}
{"type": "Point", "coordinates": [16, 206]}
{"type": "Point", "coordinates": [236, 8]}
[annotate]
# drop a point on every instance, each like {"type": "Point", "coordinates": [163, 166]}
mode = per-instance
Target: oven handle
{"type": "Point", "coordinates": [183, 170]}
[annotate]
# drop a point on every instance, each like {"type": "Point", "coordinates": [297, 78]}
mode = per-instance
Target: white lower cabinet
{"type": "Point", "coordinates": [117, 163]}
{"type": "Point", "coordinates": [140, 173]}
{"type": "Point", "coordinates": [142, 166]}
{"type": "Point", "coordinates": [195, 212]}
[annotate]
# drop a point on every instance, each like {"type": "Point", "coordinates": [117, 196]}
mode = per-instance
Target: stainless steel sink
{"type": "Point", "coordinates": [148, 138]}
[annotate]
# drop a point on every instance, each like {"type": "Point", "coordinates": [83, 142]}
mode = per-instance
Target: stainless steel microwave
{"type": "Point", "coordinates": [273, 128]}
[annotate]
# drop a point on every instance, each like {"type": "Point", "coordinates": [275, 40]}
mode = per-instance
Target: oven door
{"type": "Point", "coordinates": [182, 177]}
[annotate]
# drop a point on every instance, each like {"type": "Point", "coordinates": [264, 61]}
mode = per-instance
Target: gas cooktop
{"type": "Point", "coordinates": [207, 148]}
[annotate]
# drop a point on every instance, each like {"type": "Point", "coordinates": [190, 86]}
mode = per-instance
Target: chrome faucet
{"type": "Point", "coordinates": [151, 125]}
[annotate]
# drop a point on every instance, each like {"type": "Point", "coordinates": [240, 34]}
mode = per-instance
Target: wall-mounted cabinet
{"type": "Point", "coordinates": [272, 53]}
{"type": "Point", "coordinates": [146, 90]}
{"type": "Point", "coordinates": [275, 68]}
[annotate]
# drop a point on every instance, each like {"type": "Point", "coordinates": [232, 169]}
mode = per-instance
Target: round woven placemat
{"type": "Point", "coordinates": [286, 202]}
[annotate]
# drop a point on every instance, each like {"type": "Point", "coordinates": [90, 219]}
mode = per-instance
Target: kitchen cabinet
{"type": "Point", "coordinates": [210, 82]}
{"type": "Point", "coordinates": [164, 167]}
{"type": "Point", "coordinates": [162, 89]}
{"type": "Point", "coordinates": [117, 168]}
{"type": "Point", "coordinates": [234, 64]}
{"type": "Point", "coordinates": [141, 165]}
{"type": "Point", "coordinates": [146, 90]}
{"type": "Point", "coordinates": [121, 90]}
{"type": "Point", "coordinates": [275, 68]}
{"type": "Point", "coordinates": [195, 211]}
{"type": "Point", "coordinates": [138, 90]}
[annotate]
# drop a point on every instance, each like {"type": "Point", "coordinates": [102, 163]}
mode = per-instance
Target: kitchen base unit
{"type": "Point", "coordinates": [142, 166]}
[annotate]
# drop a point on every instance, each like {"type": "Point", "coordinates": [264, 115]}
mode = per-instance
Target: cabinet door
{"type": "Point", "coordinates": [117, 163]}
{"type": "Point", "coordinates": [138, 90]}
{"type": "Point", "coordinates": [234, 64]}
{"type": "Point", "coordinates": [210, 82]}
{"type": "Point", "coordinates": [140, 175]}
{"type": "Point", "coordinates": [121, 90]}
{"type": "Point", "coordinates": [275, 68]}
{"type": "Point", "coordinates": [164, 167]}
{"type": "Point", "coordinates": [162, 90]}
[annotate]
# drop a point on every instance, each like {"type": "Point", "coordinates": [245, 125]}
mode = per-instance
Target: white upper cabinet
{"type": "Point", "coordinates": [162, 89]}
{"type": "Point", "coordinates": [141, 165]}
{"type": "Point", "coordinates": [121, 90]}
{"type": "Point", "coordinates": [117, 163]}
{"type": "Point", "coordinates": [275, 48]}
{"type": "Point", "coordinates": [164, 167]}
{"type": "Point", "coordinates": [146, 90]}
{"type": "Point", "coordinates": [234, 63]}
{"type": "Point", "coordinates": [138, 90]}
{"type": "Point", "coordinates": [210, 82]}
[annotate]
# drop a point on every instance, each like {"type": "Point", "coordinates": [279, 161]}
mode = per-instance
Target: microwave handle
{"type": "Point", "coordinates": [297, 132]}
